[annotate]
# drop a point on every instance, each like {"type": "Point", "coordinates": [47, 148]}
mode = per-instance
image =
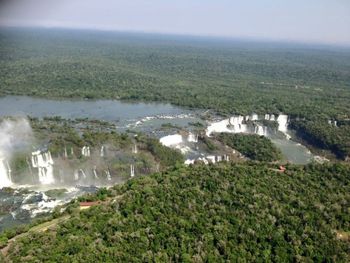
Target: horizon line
{"type": "Point", "coordinates": [250, 39]}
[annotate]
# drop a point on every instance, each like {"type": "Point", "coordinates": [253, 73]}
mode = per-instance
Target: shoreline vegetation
{"type": "Point", "coordinates": [229, 78]}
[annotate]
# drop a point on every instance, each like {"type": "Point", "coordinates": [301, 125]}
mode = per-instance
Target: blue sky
{"type": "Point", "coordinates": [313, 21]}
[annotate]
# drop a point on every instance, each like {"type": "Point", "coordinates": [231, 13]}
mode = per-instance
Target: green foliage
{"type": "Point", "coordinates": [165, 155]}
{"type": "Point", "coordinates": [19, 163]}
{"type": "Point", "coordinates": [329, 137]}
{"type": "Point", "coordinates": [197, 124]}
{"type": "Point", "coordinates": [228, 77]}
{"type": "Point", "coordinates": [208, 143]}
{"type": "Point", "coordinates": [55, 193]}
{"type": "Point", "coordinates": [214, 213]}
{"type": "Point", "coordinates": [253, 146]}
{"type": "Point", "coordinates": [101, 195]}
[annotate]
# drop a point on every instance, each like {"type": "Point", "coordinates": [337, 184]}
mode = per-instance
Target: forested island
{"type": "Point", "coordinates": [253, 146]}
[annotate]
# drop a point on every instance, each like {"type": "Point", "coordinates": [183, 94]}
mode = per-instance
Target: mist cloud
{"type": "Point", "coordinates": [15, 135]}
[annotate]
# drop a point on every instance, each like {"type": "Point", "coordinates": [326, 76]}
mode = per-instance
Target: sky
{"type": "Point", "coordinates": [308, 21]}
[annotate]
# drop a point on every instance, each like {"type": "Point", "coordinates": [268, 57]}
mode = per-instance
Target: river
{"type": "Point", "coordinates": [144, 117]}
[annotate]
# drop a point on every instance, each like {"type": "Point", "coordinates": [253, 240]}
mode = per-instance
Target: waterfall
{"type": "Point", "coordinates": [243, 128]}
{"type": "Point", "coordinates": [189, 161]}
{"type": "Point", "coordinates": [30, 168]}
{"type": "Point", "coordinates": [236, 120]}
{"type": "Point", "coordinates": [192, 137]}
{"type": "Point", "coordinates": [44, 163]}
{"type": "Point", "coordinates": [71, 151]}
{"type": "Point", "coordinates": [171, 140]}
{"type": "Point", "coordinates": [5, 174]}
{"type": "Point", "coordinates": [108, 175]}
{"type": "Point", "coordinates": [134, 149]}
{"type": "Point", "coordinates": [102, 151]}
{"type": "Point", "coordinates": [260, 130]}
{"type": "Point", "coordinates": [210, 158]}
{"type": "Point", "coordinates": [83, 173]}
{"type": "Point", "coordinates": [254, 117]}
{"type": "Point", "coordinates": [270, 117]}
{"type": "Point", "coordinates": [65, 153]}
{"type": "Point", "coordinates": [282, 123]}
{"type": "Point", "coordinates": [132, 170]}
{"type": "Point", "coordinates": [237, 125]}
{"type": "Point", "coordinates": [335, 123]}
{"type": "Point", "coordinates": [85, 151]}
{"type": "Point", "coordinates": [95, 172]}
{"type": "Point", "coordinates": [76, 175]}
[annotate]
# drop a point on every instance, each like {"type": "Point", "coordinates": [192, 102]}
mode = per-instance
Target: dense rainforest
{"type": "Point", "coordinates": [253, 146]}
{"type": "Point", "coordinates": [206, 213]}
{"type": "Point", "coordinates": [309, 83]}
{"type": "Point", "coordinates": [248, 211]}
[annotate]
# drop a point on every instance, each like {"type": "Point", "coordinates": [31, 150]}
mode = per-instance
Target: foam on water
{"type": "Point", "coordinates": [171, 140]}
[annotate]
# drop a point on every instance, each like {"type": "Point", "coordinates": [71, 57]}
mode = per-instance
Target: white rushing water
{"type": "Point", "coordinates": [44, 163]}
{"type": "Point", "coordinates": [239, 124]}
{"type": "Point", "coordinates": [85, 151]}
{"type": "Point", "coordinates": [183, 143]}
{"type": "Point", "coordinates": [292, 151]}
{"type": "Point", "coordinates": [270, 117]}
{"type": "Point", "coordinates": [102, 151]}
{"type": "Point", "coordinates": [15, 134]}
{"type": "Point", "coordinates": [76, 175]}
{"type": "Point", "coordinates": [260, 130]}
{"type": "Point", "coordinates": [282, 123]}
{"type": "Point", "coordinates": [95, 172]}
{"type": "Point", "coordinates": [192, 137]}
{"type": "Point", "coordinates": [209, 159]}
{"type": "Point", "coordinates": [134, 149]}
{"type": "Point", "coordinates": [5, 174]}
{"type": "Point", "coordinates": [108, 175]}
{"type": "Point", "coordinates": [132, 170]}
{"type": "Point", "coordinates": [171, 140]}
{"type": "Point", "coordinates": [220, 126]}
